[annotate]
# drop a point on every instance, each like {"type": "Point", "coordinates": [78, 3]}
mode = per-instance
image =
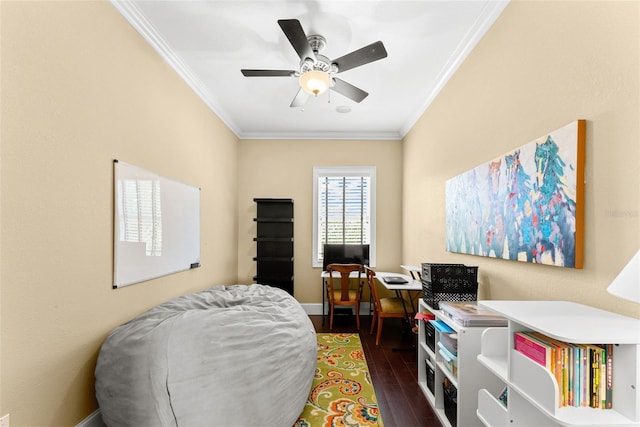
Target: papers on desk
{"type": "Point", "coordinates": [394, 280]}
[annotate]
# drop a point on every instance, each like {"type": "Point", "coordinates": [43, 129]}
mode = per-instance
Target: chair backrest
{"type": "Point", "coordinates": [371, 280]}
{"type": "Point", "coordinates": [344, 270]}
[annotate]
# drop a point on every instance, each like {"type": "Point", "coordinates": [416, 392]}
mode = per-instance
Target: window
{"type": "Point", "coordinates": [344, 208]}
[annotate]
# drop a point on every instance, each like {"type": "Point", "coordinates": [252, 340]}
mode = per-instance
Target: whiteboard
{"type": "Point", "coordinates": [156, 225]}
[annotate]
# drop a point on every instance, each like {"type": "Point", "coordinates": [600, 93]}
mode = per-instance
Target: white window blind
{"type": "Point", "coordinates": [344, 208]}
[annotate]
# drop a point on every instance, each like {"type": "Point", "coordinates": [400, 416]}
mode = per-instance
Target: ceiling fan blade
{"type": "Point", "coordinates": [298, 39]}
{"type": "Point", "coordinates": [300, 99]}
{"type": "Point", "coordinates": [268, 73]}
{"type": "Point", "coordinates": [349, 90]}
{"type": "Point", "coordinates": [362, 56]}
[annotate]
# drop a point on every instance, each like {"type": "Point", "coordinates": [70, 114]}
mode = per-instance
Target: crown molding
{"type": "Point", "coordinates": [490, 12]}
{"type": "Point", "coordinates": [139, 22]}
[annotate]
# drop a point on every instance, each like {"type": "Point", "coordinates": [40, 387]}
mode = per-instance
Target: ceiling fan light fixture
{"type": "Point", "coordinates": [315, 82]}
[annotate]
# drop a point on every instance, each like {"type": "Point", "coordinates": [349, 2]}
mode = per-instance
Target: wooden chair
{"type": "Point", "coordinates": [385, 307]}
{"type": "Point", "coordinates": [344, 296]}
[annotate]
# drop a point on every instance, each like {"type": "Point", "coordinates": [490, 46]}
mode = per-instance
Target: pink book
{"type": "Point", "coordinates": [533, 349]}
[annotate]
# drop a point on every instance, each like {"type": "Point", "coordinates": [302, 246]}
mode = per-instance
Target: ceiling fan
{"type": "Point", "coordinates": [316, 73]}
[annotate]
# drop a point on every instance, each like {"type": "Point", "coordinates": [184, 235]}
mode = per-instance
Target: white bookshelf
{"type": "Point", "coordinates": [471, 375]}
{"type": "Point", "coordinates": [533, 390]}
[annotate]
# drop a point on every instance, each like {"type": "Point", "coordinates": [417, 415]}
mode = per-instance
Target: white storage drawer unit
{"type": "Point", "coordinates": [470, 375]}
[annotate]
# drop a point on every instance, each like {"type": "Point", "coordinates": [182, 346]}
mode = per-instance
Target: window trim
{"type": "Point", "coordinates": [369, 171]}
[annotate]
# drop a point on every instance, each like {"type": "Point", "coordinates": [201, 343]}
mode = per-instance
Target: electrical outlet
{"type": "Point", "coordinates": [4, 421]}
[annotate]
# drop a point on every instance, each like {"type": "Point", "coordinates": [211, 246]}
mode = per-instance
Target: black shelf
{"type": "Point", "coordinates": [274, 243]}
{"type": "Point", "coordinates": [273, 219]}
{"type": "Point", "coordinates": [272, 201]}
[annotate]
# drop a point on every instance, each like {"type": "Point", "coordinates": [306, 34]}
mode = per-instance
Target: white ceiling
{"type": "Point", "coordinates": [208, 41]}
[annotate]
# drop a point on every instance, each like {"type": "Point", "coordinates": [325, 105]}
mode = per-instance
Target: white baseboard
{"type": "Point", "coordinates": [312, 309]}
{"type": "Point", "coordinates": [93, 420]}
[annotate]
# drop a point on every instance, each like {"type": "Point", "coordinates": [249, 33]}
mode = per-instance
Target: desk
{"type": "Point", "coordinates": [412, 285]}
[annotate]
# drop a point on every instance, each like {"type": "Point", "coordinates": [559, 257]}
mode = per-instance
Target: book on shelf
{"type": "Point", "coordinates": [533, 348]}
{"type": "Point", "coordinates": [599, 380]}
{"type": "Point", "coordinates": [561, 368]}
{"type": "Point", "coordinates": [603, 377]}
{"type": "Point", "coordinates": [571, 376]}
{"type": "Point", "coordinates": [592, 397]}
{"type": "Point", "coordinates": [585, 365]}
{"type": "Point", "coordinates": [504, 397]}
{"type": "Point", "coordinates": [583, 372]}
{"type": "Point", "coordinates": [578, 369]}
{"type": "Point", "coordinates": [469, 314]}
{"type": "Point", "coordinates": [592, 391]}
{"type": "Point", "coordinates": [609, 376]}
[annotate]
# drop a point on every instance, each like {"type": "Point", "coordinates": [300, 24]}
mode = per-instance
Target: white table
{"type": "Point", "coordinates": [412, 285]}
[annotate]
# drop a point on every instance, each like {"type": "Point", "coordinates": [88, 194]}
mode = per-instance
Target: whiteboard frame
{"type": "Point", "coordinates": [180, 219]}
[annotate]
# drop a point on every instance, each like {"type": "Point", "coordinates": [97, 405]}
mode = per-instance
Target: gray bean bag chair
{"type": "Point", "coordinates": [227, 356]}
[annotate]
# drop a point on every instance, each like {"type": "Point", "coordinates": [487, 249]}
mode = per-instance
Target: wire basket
{"type": "Point", "coordinates": [450, 399]}
{"type": "Point", "coordinates": [448, 282]}
{"type": "Point", "coordinates": [431, 377]}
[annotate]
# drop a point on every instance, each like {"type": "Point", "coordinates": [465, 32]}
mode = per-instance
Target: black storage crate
{"type": "Point", "coordinates": [431, 378]}
{"type": "Point", "coordinates": [430, 335]}
{"type": "Point", "coordinates": [448, 282]}
{"type": "Point", "coordinates": [450, 402]}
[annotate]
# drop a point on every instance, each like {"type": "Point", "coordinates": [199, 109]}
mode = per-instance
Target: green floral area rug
{"type": "Point", "coordinates": [342, 393]}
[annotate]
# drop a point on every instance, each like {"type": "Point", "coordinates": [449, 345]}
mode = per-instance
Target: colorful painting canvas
{"type": "Point", "coordinates": [527, 205]}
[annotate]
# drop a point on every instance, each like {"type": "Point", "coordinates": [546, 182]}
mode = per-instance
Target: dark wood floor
{"type": "Point", "coordinates": [394, 373]}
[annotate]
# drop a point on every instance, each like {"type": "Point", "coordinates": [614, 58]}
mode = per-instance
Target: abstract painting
{"type": "Point", "coordinates": [527, 205]}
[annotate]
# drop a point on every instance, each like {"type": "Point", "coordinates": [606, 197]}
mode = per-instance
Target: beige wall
{"type": "Point", "coordinates": [541, 66]}
{"type": "Point", "coordinates": [284, 169]}
{"type": "Point", "coordinates": [80, 88]}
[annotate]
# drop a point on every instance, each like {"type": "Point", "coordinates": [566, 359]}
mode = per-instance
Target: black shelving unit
{"type": "Point", "coordinates": [274, 243]}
